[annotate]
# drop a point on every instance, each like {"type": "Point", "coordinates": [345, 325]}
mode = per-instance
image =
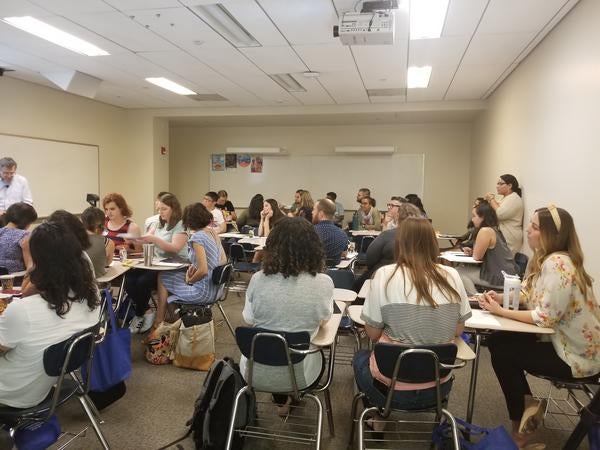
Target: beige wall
{"type": "Point", "coordinates": [125, 138]}
{"type": "Point", "coordinates": [542, 125]}
{"type": "Point", "coordinates": [446, 148]}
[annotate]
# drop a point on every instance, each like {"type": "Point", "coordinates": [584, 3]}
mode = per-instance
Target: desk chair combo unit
{"type": "Point", "coordinates": [408, 364]}
{"type": "Point", "coordinates": [282, 349]}
{"type": "Point", "coordinates": [63, 361]}
{"type": "Point", "coordinates": [241, 264]}
{"type": "Point", "coordinates": [221, 277]}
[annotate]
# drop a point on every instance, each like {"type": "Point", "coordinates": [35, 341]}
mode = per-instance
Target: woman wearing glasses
{"type": "Point", "coordinates": [558, 294]}
{"type": "Point", "coordinates": [509, 210]}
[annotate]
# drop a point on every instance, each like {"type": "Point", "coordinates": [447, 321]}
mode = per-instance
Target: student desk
{"type": "Point", "coordinates": [365, 232]}
{"type": "Point", "coordinates": [115, 270]}
{"type": "Point", "coordinates": [344, 295]}
{"type": "Point", "coordinates": [464, 352]}
{"type": "Point", "coordinates": [484, 321]}
{"type": "Point", "coordinates": [234, 235]}
{"type": "Point", "coordinates": [364, 290]}
{"type": "Point", "coordinates": [459, 257]}
{"type": "Point", "coordinates": [13, 275]}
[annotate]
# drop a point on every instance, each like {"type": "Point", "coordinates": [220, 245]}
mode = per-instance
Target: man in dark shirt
{"type": "Point", "coordinates": [335, 241]}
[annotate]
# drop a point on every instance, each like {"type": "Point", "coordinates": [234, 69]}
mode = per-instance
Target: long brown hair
{"type": "Point", "coordinates": [416, 251]}
{"type": "Point", "coordinates": [552, 240]}
{"type": "Point", "coordinates": [171, 201]}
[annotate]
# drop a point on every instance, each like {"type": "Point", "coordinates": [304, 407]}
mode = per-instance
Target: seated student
{"type": "Point", "coordinates": [490, 247]}
{"type": "Point", "coordinates": [338, 217]}
{"type": "Point", "coordinates": [362, 192]}
{"type": "Point", "coordinates": [289, 294]}
{"type": "Point", "coordinates": [381, 250]}
{"type": "Point", "coordinates": [251, 216]}
{"type": "Point", "coordinates": [269, 216]}
{"type": "Point", "coordinates": [404, 296]}
{"type": "Point", "coordinates": [66, 302]}
{"type": "Point", "coordinates": [205, 252]}
{"type": "Point", "coordinates": [390, 220]}
{"type": "Point", "coordinates": [210, 203]}
{"type": "Point", "coordinates": [558, 294]}
{"type": "Point", "coordinates": [226, 207]}
{"type": "Point", "coordinates": [152, 221]}
{"type": "Point", "coordinates": [101, 249]}
{"type": "Point", "coordinates": [468, 239]}
{"type": "Point", "coordinates": [296, 205]}
{"type": "Point", "coordinates": [76, 228]}
{"type": "Point", "coordinates": [169, 239]}
{"type": "Point", "coordinates": [334, 240]}
{"type": "Point", "coordinates": [305, 207]}
{"type": "Point", "coordinates": [368, 217]}
{"type": "Point", "coordinates": [14, 237]}
{"type": "Point", "coordinates": [118, 221]}
{"type": "Point", "coordinates": [415, 200]}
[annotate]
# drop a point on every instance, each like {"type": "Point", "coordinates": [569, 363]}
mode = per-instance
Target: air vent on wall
{"type": "Point", "coordinates": [207, 98]}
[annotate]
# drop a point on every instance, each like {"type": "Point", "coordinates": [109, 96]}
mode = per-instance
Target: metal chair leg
{"type": "Point", "coordinates": [450, 418]}
{"type": "Point", "coordinates": [231, 428]}
{"type": "Point", "coordinates": [226, 319]}
{"type": "Point", "coordinates": [319, 419]}
{"type": "Point", "coordinates": [361, 429]}
{"type": "Point", "coordinates": [85, 403]}
{"type": "Point", "coordinates": [355, 401]}
{"type": "Point", "coordinates": [329, 412]}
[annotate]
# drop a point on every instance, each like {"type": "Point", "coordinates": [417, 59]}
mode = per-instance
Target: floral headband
{"type": "Point", "coordinates": [555, 216]}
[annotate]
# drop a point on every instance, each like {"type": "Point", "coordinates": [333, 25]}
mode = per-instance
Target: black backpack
{"type": "Point", "coordinates": [212, 409]}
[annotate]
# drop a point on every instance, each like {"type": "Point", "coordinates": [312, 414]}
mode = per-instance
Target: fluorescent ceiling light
{"type": "Point", "coordinates": [54, 35]}
{"type": "Point", "coordinates": [169, 85]}
{"type": "Point", "coordinates": [418, 77]}
{"type": "Point", "coordinates": [220, 19]}
{"type": "Point", "coordinates": [427, 18]}
{"type": "Point", "coordinates": [288, 82]}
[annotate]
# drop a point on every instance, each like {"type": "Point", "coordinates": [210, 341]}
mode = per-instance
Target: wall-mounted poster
{"type": "Point", "coordinates": [257, 164]}
{"type": "Point", "coordinates": [231, 161]}
{"type": "Point", "coordinates": [218, 162]}
{"type": "Point", "coordinates": [243, 159]}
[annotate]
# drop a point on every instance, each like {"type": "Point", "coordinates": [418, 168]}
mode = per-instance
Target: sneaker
{"type": "Point", "coordinates": [136, 324]}
{"type": "Point", "coordinates": [147, 321]}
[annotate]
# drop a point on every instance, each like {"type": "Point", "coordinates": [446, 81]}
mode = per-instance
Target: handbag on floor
{"type": "Point", "coordinates": [482, 438]}
{"type": "Point", "coordinates": [195, 348]}
{"type": "Point", "coordinates": [161, 343]}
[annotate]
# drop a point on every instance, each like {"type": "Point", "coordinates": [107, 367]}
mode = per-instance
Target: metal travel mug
{"type": "Point", "coordinates": [148, 254]}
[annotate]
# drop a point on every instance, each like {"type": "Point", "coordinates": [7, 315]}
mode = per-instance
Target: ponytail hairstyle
{"type": "Point", "coordinates": [510, 179]}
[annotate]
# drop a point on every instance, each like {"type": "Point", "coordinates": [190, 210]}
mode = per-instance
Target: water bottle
{"type": "Point", "coordinates": [122, 254]}
{"type": "Point", "coordinates": [512, 291]}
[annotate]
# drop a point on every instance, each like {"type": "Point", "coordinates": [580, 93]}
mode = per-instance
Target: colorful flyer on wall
{"type": "Point", "coordinates": [231, 161]}
{"type": "Point", "coordinates": [218, 162]}
{"type": "Point", "coordinates": [243, 159]}
{"type": "Point", "coordinates": [257, 164]}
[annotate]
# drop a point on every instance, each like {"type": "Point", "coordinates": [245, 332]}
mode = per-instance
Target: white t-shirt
{"type": "Point", "coordinates": [27, 327]}
{"type": "Point", "coordinates": [218, 218]}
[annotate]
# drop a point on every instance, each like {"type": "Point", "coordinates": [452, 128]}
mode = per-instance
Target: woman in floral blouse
{"type": "Point", "coordinates": [558, 294]}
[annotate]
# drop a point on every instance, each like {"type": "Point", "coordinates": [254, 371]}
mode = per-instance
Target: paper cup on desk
{"type": "Point", "coordinates": [148, 254]}
{"type": "Point", "coordinates": [512, 291]}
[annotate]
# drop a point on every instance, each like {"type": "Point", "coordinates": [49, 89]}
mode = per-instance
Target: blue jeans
{"type": "Point", "coordinates": [408, 400]}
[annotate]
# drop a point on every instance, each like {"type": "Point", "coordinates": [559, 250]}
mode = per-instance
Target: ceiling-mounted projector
{"type": "Point", "coordinates": [366, 28]}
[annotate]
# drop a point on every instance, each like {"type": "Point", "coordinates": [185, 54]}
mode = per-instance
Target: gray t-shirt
{"type": "Point", "coordinates": [287, 304]}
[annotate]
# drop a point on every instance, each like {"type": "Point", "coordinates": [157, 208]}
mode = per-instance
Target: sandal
{"type": "Point", "coordinates": [375, 428]}
{"type": "Point", "coordinates": [533, 416]}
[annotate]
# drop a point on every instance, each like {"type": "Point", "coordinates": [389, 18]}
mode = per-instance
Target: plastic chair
{"type": "Point", "coordinates": [275, 349]}
{"type": "Point", "coordinates": [61, 360]}
{"type": "Point", "coordinates": [410, 364]}
{"type": "Point", "coordinates": [344, 279]}
{"type": "Point", "coordinates": [521, 261]}
{"type": "Point", "coordinates": [362, 249]}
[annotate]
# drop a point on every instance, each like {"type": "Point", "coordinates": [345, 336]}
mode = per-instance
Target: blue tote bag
{"type": "Point", "coordinates": [111, 363]}
{"type": "Point", "coordinates": [481, 438]}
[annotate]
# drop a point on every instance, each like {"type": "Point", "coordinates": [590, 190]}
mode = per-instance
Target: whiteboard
{"type": "Point", "coordinates": [60, 174]}
{"type": "Point", "coordinates": [282, 175]}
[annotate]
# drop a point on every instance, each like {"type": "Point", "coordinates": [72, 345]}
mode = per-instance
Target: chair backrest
{"type": "Point", "coordinates": [3, 270]}
{"type": "Point", "coordinates": [342, 279]}
{"type": "Point", "coordinates": [521, 261]}
{"type": "Point", "coordinates": [269, 347]}
{"type": "Point", "coordinates": [416, 363]}
{"type": "Point", "coordinates": [221, 274]}
{"type": "Point", "coordinates": [366, 241]}
{"type": "Point", "coordinates": [236, 252]}
{"type": "Point", "coordinates": [67, 356]}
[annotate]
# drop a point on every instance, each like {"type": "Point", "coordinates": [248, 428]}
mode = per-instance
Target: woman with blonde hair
{"type": "Point", "coordinates": [415, 301]}
{"type": "Point", "coordinates": [558, 294]}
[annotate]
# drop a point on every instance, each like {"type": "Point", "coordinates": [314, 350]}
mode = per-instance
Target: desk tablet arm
{"type": "Point", "coordinates": [458, 365]}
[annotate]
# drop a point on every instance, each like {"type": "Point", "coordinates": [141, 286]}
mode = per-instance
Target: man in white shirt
{"type": "Point", "coordinates": [14, 188]}
{"type": "Point", "coordinates": [210, 202]}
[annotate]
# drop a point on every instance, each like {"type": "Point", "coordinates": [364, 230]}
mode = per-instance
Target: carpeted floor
{"type": "Point", "coordinates": [159, 400]}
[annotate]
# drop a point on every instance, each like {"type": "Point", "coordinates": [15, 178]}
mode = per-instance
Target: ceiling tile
{"type": "Point", "coordinates": [382, 66]}
{"type": "Point", "coordinates": [275, 59]}
{"type": "Point", "coordinates": [444, 52]}
{"type": "Point", "coordinates": [472, 82]}
{"type": "Point", "coordinates": [326, 58]}
{"type": "Point", "coordinates": [518, 16]}
{"type": "Point", "coordinates": [463, 16]}
{"type": "Point", "coordinates": [315, 93]}
{"type": "Point", "coordinates": [496, 49]}
{"type": "Point", "coordinates": [17, 8]}
{"type": "Point", "coordinates": [130, 5]}
{"type": "Point", "coordinates": [345, 87]}
{"type": "Point", "coordinates": [303, 21]}
{"type": "Point", "coordinates": [253, 18]}
{"type": "Point", "coordinates": [68, 7]}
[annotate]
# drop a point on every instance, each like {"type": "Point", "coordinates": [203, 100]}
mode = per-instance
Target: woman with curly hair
{"type": "Point", "coordinates": [65, 301]}
{"type": "Point", "coordinates": [292, 294]}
